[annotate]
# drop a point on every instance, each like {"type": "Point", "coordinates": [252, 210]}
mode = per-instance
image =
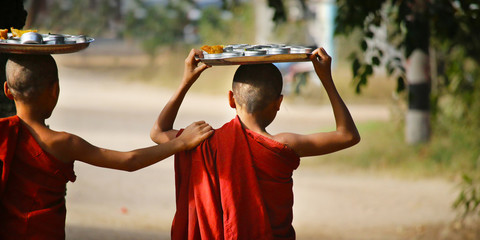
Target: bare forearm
{"type": "Point", "coordinates": [322, 64]}
{"type": "Point", "coordinates": [343, 119]}
{"type": "Point", "coordinates": [345, 135]}
{"type": "Point", "coordinates": [145, 157]}
{"type": "Point", "coordinates": [167, 116]}
{"type": "Point", "coordinates": [169, 113]}
{"type": "Point", "coordinates": [127, 161]}
{"type": "Point", "coordinates": [162, 130]}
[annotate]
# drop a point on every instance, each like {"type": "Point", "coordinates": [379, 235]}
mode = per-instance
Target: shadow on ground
{"type": "Point", "coordinates": [93, 233]}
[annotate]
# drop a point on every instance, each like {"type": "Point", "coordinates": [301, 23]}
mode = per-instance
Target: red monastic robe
{"type": "Point", "coordinates": [32, 187]}
{"type": "Point", "coordinates": [235, 185]}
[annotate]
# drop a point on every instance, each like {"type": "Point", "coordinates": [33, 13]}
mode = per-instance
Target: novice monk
{"type": "Point", "coordinates": [36, 162]}
{"type": "Point", "coordinates": [238, 183]}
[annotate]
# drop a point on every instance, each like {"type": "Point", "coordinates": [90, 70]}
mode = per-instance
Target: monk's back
{"type": "Point", "coordinates": [32, 204]}
{"type": "Point", "coordinates": [246, 177]}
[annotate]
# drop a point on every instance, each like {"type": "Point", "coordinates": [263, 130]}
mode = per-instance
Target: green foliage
{"type": "Point", "coordinates": [164, 25]}
{"type": "Point", "coordinates": [468, 201]}
{"type": "Point", "coordinates": [78, 17]}
{"type": "Point", "coordinates": [450, 23]}
{"type": "Point", "coordinates": [217, 26]}
{"type": "Point", "coordinates": [457, 112]}
{"type": "Point", "coordinates": [157, 26]}
{"type": "Point", "coordinates": [369, 17]}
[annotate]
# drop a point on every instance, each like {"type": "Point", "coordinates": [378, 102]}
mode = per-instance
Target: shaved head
{"type": "Point", "coordinates": [29, 75]}
{"type": "Point", "coordinates": [255, 86]}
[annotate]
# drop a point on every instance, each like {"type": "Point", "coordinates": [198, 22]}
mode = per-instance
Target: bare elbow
{"type": "Point", "coordinates": [154, 136]}
{"type": "Point", "coordinates": [355, 138]}
{"type": "Point", "coordinates": [131, 163]}
{"type": "Point", "coordinates": [351, 138]}
{"type": "Point", "coordinates": [131, 169]}
{"type": "Point", "coordinates": [159, 137]}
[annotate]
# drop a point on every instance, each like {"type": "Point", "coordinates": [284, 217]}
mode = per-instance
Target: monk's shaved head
{"type": "Point", "coordinates": [257, 85]}
{"type": "Point", "coordinates": [29, 75]}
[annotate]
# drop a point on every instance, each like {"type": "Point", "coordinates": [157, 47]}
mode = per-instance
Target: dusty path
{"type": "Point", "coordinates": [108, 204]}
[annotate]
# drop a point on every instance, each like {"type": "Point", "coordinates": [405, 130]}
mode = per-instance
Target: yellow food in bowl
{"type": "Point", "coordinates": [19, 33]}
{"type": "Point", "coordinates": [212, 49]}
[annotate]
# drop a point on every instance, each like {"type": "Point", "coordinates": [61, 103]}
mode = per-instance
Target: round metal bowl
{"type": "Point", "coordinates": [55, 39]}
{"type": "Point", "coordinates": [31, 38]}
{"type": "Point", "coordinates": [279, 50]}
{"type": "Point", "coordinates": [212, 56]}
{"type": "Point", "coordinates": [231, 54]}
{"type": "Point", "coordinates": [222, 55]}
{"type": "Point", "coordinates": [300, 49]}
{"type": "Point", "coordinates": [255, 53]}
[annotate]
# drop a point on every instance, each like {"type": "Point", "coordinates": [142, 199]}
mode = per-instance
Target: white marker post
{"type": "Point", "coordinates": [417, 128]}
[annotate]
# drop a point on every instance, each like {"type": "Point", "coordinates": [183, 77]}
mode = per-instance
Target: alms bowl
{"type": "Point", "coordinates": [31, 38]}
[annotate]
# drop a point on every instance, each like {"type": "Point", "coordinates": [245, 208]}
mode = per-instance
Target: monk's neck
{"type": "Point", "coordinates": [30, 116]}
{"type": "Point", "coordinates": [253, 123]}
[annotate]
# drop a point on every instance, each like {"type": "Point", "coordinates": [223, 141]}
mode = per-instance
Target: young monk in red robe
{"type": "Point", "coordinates": [36, 162]}
{"type": "Point", "coordinates": [237, 184]}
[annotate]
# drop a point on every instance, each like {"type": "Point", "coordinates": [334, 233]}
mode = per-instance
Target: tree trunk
{"type": "Point", "coordinates": [417, 126]}
{"type": "Point", "coordinates": [263, 21]}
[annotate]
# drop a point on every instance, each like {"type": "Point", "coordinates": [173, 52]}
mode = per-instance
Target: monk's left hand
{"type": "Point", "coordinates": [322, 63]}
{"type": "Point", "coordinates": [195, 133]}
{"type": "Point", "coordinates": [192, 68]}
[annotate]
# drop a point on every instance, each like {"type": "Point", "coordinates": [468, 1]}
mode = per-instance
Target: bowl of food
{"type": "Point", "coordinates": [31, 38]}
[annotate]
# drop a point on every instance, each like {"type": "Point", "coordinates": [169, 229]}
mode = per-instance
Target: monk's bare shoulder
{"type": "Point", "coordinates": [66, 146]}
{"type": "Point", "coordinates": [290, 139]}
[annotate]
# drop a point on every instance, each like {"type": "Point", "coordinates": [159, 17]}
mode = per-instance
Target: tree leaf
{"type": "Point", "coordinates": [400, 84]}
{"type": "Point", "coordinates": [364, 45]}
{"type": "Point", "coordinates": [355, 67]}
{"type": "Point", "coordinates": [368, 69]}
{"type": "Point", "coordinates": [369, 34]}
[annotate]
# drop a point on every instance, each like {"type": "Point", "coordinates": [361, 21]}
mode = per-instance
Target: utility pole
{"type": "Point", "coordinates": [417, 126]}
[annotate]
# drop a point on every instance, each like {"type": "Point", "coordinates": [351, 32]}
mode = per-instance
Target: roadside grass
{"type": "Point", "coordinates": [383, 150]}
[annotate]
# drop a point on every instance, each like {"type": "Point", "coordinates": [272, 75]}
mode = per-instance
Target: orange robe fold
{"type": "Point", "coordinates": [235, 185]}
{"type": "Point", "coordinates": [33, 186]}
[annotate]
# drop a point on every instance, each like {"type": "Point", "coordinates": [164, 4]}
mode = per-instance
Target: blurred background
{"type": "Point", "coordinates": [408, 70]}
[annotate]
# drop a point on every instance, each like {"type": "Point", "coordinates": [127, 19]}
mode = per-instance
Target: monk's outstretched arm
{"type": "Point", "coordinates": [162, 131]}
{"type": "Point", "coordinates": [71, 148]}
{"type": "Point", "coordinates": [346, 133]}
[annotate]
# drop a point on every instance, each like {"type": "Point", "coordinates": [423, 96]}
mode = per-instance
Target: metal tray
{"type": "Point", "coordinates": [293, 57]}
{"type": "Point", "coordinates": [18, 48]}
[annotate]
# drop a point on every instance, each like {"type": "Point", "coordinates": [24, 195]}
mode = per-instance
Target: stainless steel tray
{"type": "Point", "coordinates": [19, 48]}
{"type": "Point", "coordinates": [292, 57]}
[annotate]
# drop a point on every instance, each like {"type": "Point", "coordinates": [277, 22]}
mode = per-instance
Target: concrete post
{"type": "Point", "coordinates": [417, 126]}
{"type": "Point", "coordinates": [263, 22]}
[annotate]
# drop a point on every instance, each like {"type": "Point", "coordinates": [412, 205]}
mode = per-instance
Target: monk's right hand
{"type": "Point", "coordinates": [192, 68]}
{"type": "Point", "coordinates": [322, 63]}
{"type": "Point", "coordinates": [195, 133]}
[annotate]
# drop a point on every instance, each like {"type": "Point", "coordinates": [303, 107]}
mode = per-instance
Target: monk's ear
{"type": "Point", "coordinates": [279, 102]}
{"type": "Point", "coordinates": [7, 91]}
{"type": "Point", "coordinates": [55, 90]}
{"type": "Point", "coordinates": [231, 100]}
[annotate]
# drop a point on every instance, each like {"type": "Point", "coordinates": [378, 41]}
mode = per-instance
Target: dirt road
{"type": "Point", "coordinates": [109, 204]}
